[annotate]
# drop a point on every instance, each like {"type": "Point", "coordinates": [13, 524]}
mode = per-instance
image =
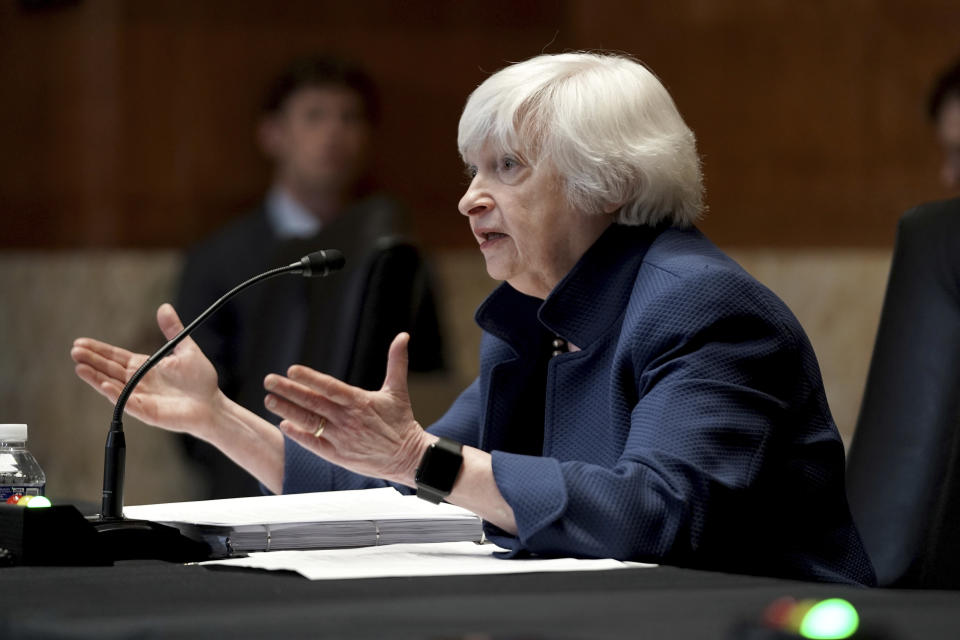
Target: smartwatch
{"type": "Point", "coordinates": [438, 470]}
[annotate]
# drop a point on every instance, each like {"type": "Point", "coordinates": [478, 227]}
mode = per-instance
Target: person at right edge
{"type": "Point", "coordinates": [910, 404]}
{"type": "Point", "coordinates": [944, 111]}
{"type": "Point", "coordinates": [640, 396]}
{"type": "Point", "coordinates": [318, 128]}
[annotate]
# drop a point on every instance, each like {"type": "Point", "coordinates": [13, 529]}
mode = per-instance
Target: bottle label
{"type": "Point", "coordinates": [30, 490]}
{"type": "Point", "coordinates": [8, 463]}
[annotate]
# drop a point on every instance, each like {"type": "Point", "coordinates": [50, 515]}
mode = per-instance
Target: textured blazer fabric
{"type": "Point", "coordinates": [691, 428]}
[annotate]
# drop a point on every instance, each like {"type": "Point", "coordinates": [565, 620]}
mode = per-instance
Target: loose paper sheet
{"type": "Point", "coordinates": [407, 560]}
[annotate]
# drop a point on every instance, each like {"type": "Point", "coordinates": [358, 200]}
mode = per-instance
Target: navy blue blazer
{"type": "Point", "coordinates": [691, 428]}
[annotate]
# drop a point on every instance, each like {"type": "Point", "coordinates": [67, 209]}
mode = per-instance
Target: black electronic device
{"type": "Point", "coordinates": [438, 470]}
{"type": "Point", "coordinates": [57, 535]}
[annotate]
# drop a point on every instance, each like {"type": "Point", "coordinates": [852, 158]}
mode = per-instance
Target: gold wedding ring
{"type": "Point", "coordinates": [319, 431]}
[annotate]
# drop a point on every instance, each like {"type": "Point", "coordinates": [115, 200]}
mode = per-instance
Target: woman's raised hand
{"type": "Point", "coordinates": [370, 432]}
{"type": "Point", "coordinates": [179, 394]}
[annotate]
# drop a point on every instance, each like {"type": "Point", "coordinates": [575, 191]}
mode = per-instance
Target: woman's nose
{"type": "Point", "coordinates": [474, 201]}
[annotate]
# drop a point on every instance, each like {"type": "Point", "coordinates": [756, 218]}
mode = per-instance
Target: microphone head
{"type": "Point", "coordinates": [322, 263]}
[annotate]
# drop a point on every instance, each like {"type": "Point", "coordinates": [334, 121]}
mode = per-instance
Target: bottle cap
{"type": "Point", "coordinates": [13, 432]}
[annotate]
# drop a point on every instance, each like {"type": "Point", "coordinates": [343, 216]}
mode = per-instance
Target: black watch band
{"type": "Point", "coordinates": [438, 470]}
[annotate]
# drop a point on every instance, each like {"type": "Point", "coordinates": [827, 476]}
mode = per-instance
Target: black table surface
{"type": "Point", "coordinates": [152, 599]}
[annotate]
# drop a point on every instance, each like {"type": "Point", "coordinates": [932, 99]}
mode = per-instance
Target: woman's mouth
{"type": "Point", "coordinates": [488, 238]}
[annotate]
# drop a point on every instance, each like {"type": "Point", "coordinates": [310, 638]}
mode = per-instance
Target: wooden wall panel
{"type": "Point", "coordinates": [182, 90]}
{"type": "Point", "coordinates": [809, 116]}
{"type": "Point", "coordinates": [130, 123]}
{"type": "Point", "coordinates": [58, 126]}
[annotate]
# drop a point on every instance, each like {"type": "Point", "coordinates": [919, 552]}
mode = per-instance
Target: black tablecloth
{"type": "Point", "coordinates": [150, 599]}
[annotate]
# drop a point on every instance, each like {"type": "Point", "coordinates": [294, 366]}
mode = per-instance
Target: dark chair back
{"type": "Point", "coordinates": [903, 470]}
{"type": "Point", "coordinates": [394, 296]}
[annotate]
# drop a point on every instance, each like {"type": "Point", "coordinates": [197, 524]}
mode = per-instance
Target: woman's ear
{"type": "Point", "coordinates": [611, 208]}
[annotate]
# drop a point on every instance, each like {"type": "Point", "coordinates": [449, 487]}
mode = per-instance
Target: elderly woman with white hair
{"type": "Point", "coordinates": [640, 396]}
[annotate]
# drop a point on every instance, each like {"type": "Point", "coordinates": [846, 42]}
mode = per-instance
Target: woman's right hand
{"type": "Point", "coordinates": [179, 394]}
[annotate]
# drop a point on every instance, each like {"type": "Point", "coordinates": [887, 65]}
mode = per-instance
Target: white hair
{"type": "Point", "coordinates": [604, 122]}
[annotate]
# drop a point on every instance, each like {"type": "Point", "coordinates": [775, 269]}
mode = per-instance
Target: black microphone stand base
{"type": "Point", "coordinates": [61, 536]}
{"type": "Point", "coordinates": [124, 539]}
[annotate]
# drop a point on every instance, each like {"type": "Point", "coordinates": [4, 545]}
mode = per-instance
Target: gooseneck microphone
{"type": "Point", "coordinates": [111, 520]}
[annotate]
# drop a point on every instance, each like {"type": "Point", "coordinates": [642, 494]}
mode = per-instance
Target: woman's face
{"type": "Point", "coordinates": [528, 233]}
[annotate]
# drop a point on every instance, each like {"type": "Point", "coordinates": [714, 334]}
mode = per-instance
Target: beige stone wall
{"type": "Point", "coordinates": [46, 299]}
{"type": "Point", "coordinates": [837, 295]}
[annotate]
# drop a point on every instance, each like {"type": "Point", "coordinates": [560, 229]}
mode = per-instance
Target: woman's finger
{"type": "Point", "coordinates": [168, 321]}
{"type": "Point", "coordinates": [121, 356]}
{"type": "Point", "coordinates": [308, 419]}
{"type": "Point", "coordinates": [327, 386]}
{"type": "Point", "coordinates": [307, 439]}
{"type": "Point", "coordinates": [301, 395]}
{"type": "Point", "coordinates": [397, 361]}
{"type": "Point", "coordinates": [170, 325]}
{"type": "Point", "coordinates": [94, 360]}
{"type": "Point", "coordinates": [107, 387]}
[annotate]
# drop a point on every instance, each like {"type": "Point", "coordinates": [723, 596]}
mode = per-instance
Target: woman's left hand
{"type": "Point", "coordinates": [372, 433]}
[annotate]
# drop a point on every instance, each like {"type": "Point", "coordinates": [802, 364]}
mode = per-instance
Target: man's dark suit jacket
{"type": "Point", "coordinates": [341, 324]}
{"type": "Point", "coordinates": [904, 465]}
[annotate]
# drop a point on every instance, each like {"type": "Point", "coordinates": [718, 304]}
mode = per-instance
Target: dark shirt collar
{"type": "Point", "coordinates": [584, 303]}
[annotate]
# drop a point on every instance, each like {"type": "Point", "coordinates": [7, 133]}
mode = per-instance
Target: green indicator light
{"type": "Point", "coordinates": [832, 619]}
{"type": "Point", "coordinates": [38, 502]}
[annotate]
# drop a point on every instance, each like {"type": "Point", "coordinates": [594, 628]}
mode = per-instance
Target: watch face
{"type": "Point", "coordinates": [439, 469]}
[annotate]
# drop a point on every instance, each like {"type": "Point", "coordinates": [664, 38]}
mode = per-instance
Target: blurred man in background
{"type": "Point", "coordinates": [317, 128]}
{"type": "Point", "coordinates": [944, 110]}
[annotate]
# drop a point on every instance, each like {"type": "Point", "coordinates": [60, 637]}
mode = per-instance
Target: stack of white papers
{"type": "Point", "coordinates": [332, 519]}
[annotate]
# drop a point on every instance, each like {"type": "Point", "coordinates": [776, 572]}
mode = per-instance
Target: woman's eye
{"type": "Point", "coordinates": [471, 172]}
{"type": "Point", "coordinates": [509, 163]}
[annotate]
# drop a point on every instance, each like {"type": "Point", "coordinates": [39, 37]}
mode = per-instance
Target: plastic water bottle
{"type": "Point", "coordinates": [20, 473]}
